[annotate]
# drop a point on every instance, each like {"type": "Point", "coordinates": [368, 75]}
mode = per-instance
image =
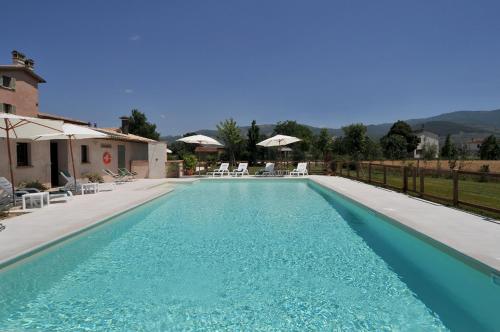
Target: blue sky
{"type": "Point", "coordinates": [190, 64]}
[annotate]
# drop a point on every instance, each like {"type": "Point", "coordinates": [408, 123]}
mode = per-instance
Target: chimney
{"type": "Point", "coordinates": [18, 58]}
{"type": "Point", "coordinates": [30, 64]}
{"type": "Point", "coordinates": [124, 128]}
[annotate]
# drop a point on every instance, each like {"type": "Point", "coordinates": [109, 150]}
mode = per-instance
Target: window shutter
{"type": "Point", "coordinates": [13, 109]}
{"type": "Point", "coordinates": [1, 108]}
{"type": "Point", "coordinates": [13, 83]}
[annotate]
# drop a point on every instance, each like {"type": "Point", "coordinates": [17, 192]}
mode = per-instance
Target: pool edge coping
{"type": "Point", "coordinates": [457, 254]}
{"type": "Point", "coordinates": [17, 258]}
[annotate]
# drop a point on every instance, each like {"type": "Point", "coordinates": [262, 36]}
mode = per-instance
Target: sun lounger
{"type": "Point", "coordinates": [60, 195]}
{"type": "Point", "coordinates": [241, 170]}
{"type": "Point", "coordinates": [223, 169]}
{"type": "Point", "coordinates": [82, 187]}
{"type": "Point", "coordinates": [118, 178]}
{"type": "Point", "coordinates": [300, 170]}
{"type": "Point", "coordinates": [266, 171]}
{"type": "Point", "coordinates": [5, 200]}
{"type": "Point", "coordinates": [126, 173]}
{"type": "Point", "coordinates": [7, 187]}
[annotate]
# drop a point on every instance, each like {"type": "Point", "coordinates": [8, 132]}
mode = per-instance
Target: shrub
{"type": "Point", "coordinates": [94, 177]}
{"type": "Point", "coordinates": [484, 169]}
{"type": "Point", "coordinates": [190, 162]}
{"type": "Point", "coordinates": [33, 184]}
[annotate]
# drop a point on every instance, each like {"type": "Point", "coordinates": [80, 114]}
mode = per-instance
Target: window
{"type": "Point", "coordinates": [8, 82]}
{"type": "Point", "coordinates": [85, 154]}
{"type": "Point", "coordinates": [7, 108]}
{"type": "Point", "coordinates": [23, 155]}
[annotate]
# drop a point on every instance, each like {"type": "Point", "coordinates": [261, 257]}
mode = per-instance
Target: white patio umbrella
{"type": "Point", "coordinates": [72, 132]}
{"type": "Point", "coordinates": [169, 151]}
{"type": "Point", "coordinates": [279, 140]}
{"type": "Point", "coordinates": [200, 140]}
{"type": "Point", "coordinates": [14, 126]}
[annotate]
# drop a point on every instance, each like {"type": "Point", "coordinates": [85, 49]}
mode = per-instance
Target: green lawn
{"type": "Point", "coordinates": [470, 189]}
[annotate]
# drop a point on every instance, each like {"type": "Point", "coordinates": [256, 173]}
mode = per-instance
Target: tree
{"type": "Point", "coordinates": [230, 134]}
{"type": "Point", "coordinates": [449, 149]}
{"type": "Point", "coordinates": [429, 151]}
{"type": "Point", "coordinates": [292, 128]}
{"type": "Point", "coordinates": [489, 149]}
{"type": "Point", "coordinates": [253, 138]}
{"type": "Point", "coordinates": [355, 140]}
{"type": "Point", "coordinates": [323, 143]}
{"type": "Point", "coordinates": [399, 129]}
{"type": "Point", "coordinates": [180, 148]}
{"type": "Point", "coordinates": [394, 146]}
{"type": "Point", "coordinates": [139, 125]}
{"type": "Point", "coordinates": [372, 150]}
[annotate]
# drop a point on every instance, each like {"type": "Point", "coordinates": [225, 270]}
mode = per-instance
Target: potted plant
{"type": "Point", "coordinates": [190, 164]}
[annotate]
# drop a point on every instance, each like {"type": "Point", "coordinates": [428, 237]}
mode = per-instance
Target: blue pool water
{"type": "Point", "coordinates": [247, 255]}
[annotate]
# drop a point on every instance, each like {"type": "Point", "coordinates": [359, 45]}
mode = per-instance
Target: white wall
{"type": "Point", "coordinates": [157, 159]}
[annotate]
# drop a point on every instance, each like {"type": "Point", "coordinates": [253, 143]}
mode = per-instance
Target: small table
{"type": "Point", "coordinates": [92, 187]}
{"type": "Point", "coordinates": [282, 172]}
{"type": "Point", "coordinates": [106, 186]}
{"type": "Point", "coordinates": [33, 197]}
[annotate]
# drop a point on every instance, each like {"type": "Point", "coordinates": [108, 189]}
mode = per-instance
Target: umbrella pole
{"type": "Point", "coordinates": [10, 162]}
{"type": "Point", "coordinates": [72, 160]}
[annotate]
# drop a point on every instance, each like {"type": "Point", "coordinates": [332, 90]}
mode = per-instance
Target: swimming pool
{"type": "Point", "coordinates": [247, 254]}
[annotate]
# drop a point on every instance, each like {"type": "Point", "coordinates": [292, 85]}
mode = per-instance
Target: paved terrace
{"type": "Point", "coordinates": [33, 230]}
{"type": "Point", "coordinates": [474, 236]}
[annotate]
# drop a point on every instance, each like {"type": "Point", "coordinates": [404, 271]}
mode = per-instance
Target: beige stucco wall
{"type": "Point", "coordinates": [25, 95]}
{"type": "Point", "coordinates": [40, 158]}
{"type": "Point", "coordinates": [40, 162]}
{"type": "Point", "coordinates": [97, 148]}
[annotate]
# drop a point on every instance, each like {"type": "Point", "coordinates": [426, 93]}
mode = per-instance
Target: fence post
{"type": "Point", "coordinates": [357, 170]}
{"type": "Point", "coordinates": [421, 174]}
{"type": "Point", "coordinates": [455, 187]}
{"type": "Point", "coordinates": [414, 175]}
{"type": "Point", "coordinates": [369, 172]}
{"type": "Point", "coordinates": [405, 179]}
{"type": "Point", "coordinates": [385, 175]}
{"type": "Point", "coordinates": [348, 169]}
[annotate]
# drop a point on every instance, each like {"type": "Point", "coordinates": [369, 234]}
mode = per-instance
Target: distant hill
{"type": "Point", "coordinates": [462, 125]}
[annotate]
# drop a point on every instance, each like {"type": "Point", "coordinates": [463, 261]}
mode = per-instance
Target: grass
{"type": "Point", "coordinates": [470, 188]}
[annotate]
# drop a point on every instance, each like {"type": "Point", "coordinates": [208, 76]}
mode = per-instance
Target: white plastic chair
{"type": "Point", "coordinates": [268, 170]}
{"type": "Point", "coordinates": [223, 169]}
{"type": "Point", "coordinates": [300, 170]}
{"type": "Point", "coordinates": [242, 170]}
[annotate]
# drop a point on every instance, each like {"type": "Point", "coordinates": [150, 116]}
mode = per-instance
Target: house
{"type": "Point", "coordinates": [204, 152]}
{"type": "Point", "coordinates": [427, 139]}
{"type": "Point", "coordinates": [472, 146]}
{"type": "Point", "coordinates": [42, 160]}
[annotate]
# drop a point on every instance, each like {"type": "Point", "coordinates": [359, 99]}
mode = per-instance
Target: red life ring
{"type": "Point", "coordinates": [106, 158]}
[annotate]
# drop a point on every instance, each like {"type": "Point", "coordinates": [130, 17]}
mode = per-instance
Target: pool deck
{"type": "Point", "coordinates": [29, 232]}
{"type": "Point", "coordinates": [471, 235]}
{"type": "Point", "coordinates": [474, 236]}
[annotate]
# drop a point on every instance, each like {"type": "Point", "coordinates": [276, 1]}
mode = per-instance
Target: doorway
{"type": "Point", "coordinates": [54, 165]}
{"type": "Point", "coordinates": [121, 156]}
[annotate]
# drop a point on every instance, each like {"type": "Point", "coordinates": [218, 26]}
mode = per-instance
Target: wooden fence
{"type": "Point", "coordinates": [477, 190]}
